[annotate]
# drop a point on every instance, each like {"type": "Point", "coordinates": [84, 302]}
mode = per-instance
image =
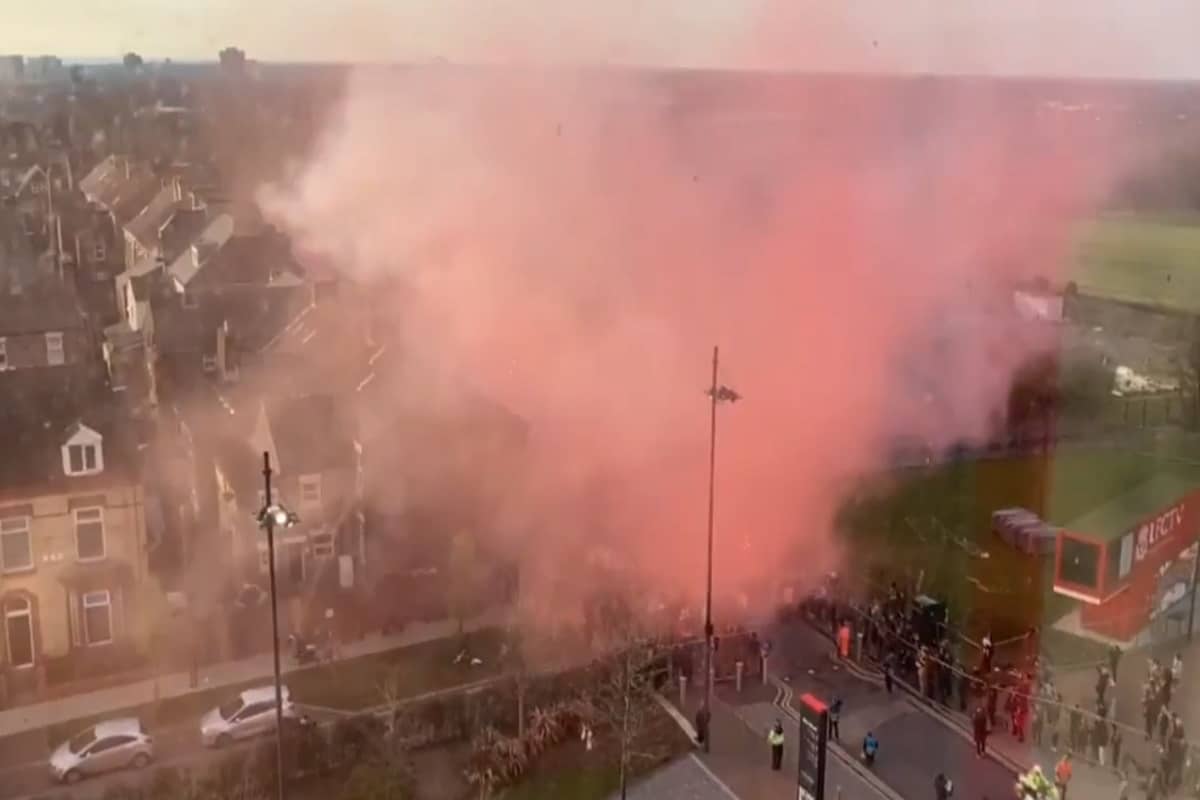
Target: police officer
{"type": "Point", "coordinates": [775, 739]}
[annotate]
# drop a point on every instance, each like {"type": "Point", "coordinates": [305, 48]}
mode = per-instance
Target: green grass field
{"type": "Point", "coordinates": [1140, 260]}
{"type": "Point", "coordinates": [934, 525]}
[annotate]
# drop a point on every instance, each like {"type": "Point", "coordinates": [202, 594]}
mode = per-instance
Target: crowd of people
{"type": "Point", "coordinates": [1019, 697]}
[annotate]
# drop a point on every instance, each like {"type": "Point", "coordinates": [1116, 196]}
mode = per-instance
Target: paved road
{"type": "Point", "coordinates": [176, 746]}
{"type": "Point", "coordinates": [914, 747]}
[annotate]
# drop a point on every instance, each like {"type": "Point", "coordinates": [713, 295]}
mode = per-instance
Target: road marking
{"type": "Point", "coordinates": [676, 715]}
{"type": "Point", "coordinates": [712, 776]}
{"type": "Point", "coordinates": [849, 761]}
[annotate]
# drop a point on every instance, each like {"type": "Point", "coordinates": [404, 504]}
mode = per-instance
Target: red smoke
{"type": "Point", "coordinates": [576, 243]}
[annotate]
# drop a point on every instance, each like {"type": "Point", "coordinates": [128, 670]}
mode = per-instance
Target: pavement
{"type": "Point", "coordinates": [1080, 685]}
{"type": "Point", "coordinates": [686, 778]}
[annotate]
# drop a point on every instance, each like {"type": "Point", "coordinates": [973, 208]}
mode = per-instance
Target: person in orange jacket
{"type": "Point", "coordinates": [1062, 775]}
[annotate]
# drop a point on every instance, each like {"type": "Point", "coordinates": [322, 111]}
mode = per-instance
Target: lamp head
{"type": "Point", "coordinates": [277, 516]}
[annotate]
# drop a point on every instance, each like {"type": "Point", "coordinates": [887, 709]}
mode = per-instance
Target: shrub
{"type": "Point", "coordinates": [168, 783]}
{"type": "Point", "coordinates": [376, 780]}
{"type": "Point", "coordinates": [354, 738]}
{"type": "Point", "coordinates": [121, 791]}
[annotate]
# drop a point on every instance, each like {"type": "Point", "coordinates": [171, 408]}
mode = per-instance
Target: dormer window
{"type": "Point", "coordinates": [99, 251]}
{"type": "Point", "coordinates": [83, 454]}
{"type": "Point", "coordinates": [189, 300]}
{"type": "Point", "coordinates": [82, 459]}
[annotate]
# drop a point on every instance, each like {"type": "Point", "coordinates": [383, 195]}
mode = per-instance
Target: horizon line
{"type": "Point", "coordinates": [110, 61]}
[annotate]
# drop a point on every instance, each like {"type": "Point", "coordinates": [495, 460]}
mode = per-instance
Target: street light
{"type": "Point", "coordinates": [717, 394]}
{"type": "Point", "coordinates": [272, 516]}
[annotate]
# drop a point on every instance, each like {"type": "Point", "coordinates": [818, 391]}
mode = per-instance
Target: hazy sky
{"type": "Point", "coordinates": [1132, 38]}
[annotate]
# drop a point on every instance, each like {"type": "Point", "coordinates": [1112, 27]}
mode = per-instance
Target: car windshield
{"type": "Point", "coordinates": [227, 710]}
{"type": "Point", "coordinates": [80, 742]}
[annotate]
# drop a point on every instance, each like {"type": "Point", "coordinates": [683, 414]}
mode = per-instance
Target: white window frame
{"type": "Point", "coordinates": [208, 363]}
{"type": "Point", "coordinates": [84, 449]}
{"type": "Point", "coordinates": [7, 528]}
{"type": "Point", "coordinates": [56, 353]}
{"type": "Point", "coordinates": [310, 483]}
{"type": "Point", "coordinates": [99, 250]}
{"type": "Point", "coordinates": [92, 600]}
{"type": "Point", "coordinates": [321, 545]}
{"type": "Point", "coordinates": [99, 512]}
{"type": "Point", "coordinates": [3, 354]}
{"type": "Point", "coordinates": [27, 612]}
{"type": "Point", "coordinates": [188, 299]}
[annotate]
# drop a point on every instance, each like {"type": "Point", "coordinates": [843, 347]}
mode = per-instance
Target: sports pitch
{"type": "Point", "coordinates": [1140, 260]}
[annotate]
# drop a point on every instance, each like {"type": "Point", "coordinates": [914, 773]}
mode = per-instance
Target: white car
{"type": "Point", "coordinates": [250, 714]}
{"type": "Point", "coordinates": [106, 746]}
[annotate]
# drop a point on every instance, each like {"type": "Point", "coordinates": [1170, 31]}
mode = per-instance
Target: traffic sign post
{"type": "Point", "coordinates": [814, 732]}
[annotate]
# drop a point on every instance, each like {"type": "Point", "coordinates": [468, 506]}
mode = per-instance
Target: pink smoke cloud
{"type": "Point", "coordinates": [574, 243]}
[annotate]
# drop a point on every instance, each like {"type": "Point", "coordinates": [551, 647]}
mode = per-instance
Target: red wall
{"type": "Point", "coordinates": [1157, 540]}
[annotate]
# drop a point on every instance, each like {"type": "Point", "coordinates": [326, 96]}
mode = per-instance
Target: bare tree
{"type": "Point", "coordinates": [624, 702]}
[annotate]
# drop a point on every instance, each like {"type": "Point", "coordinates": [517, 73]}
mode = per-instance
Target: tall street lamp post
{"type": "Point", "coordinates": [270, 516]}
{"type": "Point", "coordinates": [717, 394]}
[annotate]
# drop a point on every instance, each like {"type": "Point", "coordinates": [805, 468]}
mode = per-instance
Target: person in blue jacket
{"type": "Point", "coordinates": [869, 748]}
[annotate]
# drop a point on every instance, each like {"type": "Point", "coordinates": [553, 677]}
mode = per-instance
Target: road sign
{"type": "Point", "coordinates": [814, 728]}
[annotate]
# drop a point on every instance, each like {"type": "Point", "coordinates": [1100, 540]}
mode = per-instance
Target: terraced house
{"type": "Point", "coordinates": [76, 597]}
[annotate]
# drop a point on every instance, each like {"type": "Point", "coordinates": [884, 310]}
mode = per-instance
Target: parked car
{"type": "Point", "coordinates": [251, 713]}
{"type": "Point", "coordinates": [106, 746]}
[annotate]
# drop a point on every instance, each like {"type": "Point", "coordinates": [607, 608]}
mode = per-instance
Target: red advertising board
{"type": "Point", "coordinates": [1131, 568]}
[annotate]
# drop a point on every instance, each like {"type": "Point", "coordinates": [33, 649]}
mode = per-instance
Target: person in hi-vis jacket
{"type": "Point", "coordinates": [775, 739]}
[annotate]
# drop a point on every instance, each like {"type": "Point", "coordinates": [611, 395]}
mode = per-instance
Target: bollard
{"type": "Point", "coordinates": [741, 668]}
{"type": "Point", "coordinates": [839, 793]}
{"type": "Point", "coordinates": [764, 669]}
{"type": "Point", "coordinates": [858, 643]}
{"type": "Point", "coordinates": [682, 690]}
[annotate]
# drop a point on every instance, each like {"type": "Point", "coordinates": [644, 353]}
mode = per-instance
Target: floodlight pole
{"type": "Point", "coordinates": [708, 623]}
{"type": "Point", "coordinates": [269, 522]}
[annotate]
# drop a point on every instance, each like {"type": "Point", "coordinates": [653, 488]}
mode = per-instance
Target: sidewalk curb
{"type": "Point", "coordinates": [838, 750]}
{"type": "Point", "coordinates": [676, 715]}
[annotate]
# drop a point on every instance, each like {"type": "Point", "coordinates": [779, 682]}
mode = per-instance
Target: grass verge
{"type": "Point", "coordinates": [570, 771]}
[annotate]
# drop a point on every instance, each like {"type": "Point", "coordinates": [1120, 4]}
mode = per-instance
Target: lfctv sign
{"type": "Point", "coordinates": [1154, 532]}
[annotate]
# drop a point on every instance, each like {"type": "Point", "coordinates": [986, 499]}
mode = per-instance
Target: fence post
{"type": "Point", "coordinates": [740, 667]}
{"type": "Point", "coordinates": [858, 644]}
{"type": "Point", "coordinates": [682, 690]}
{"type": "Point", "coordinates": [764, 668]}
